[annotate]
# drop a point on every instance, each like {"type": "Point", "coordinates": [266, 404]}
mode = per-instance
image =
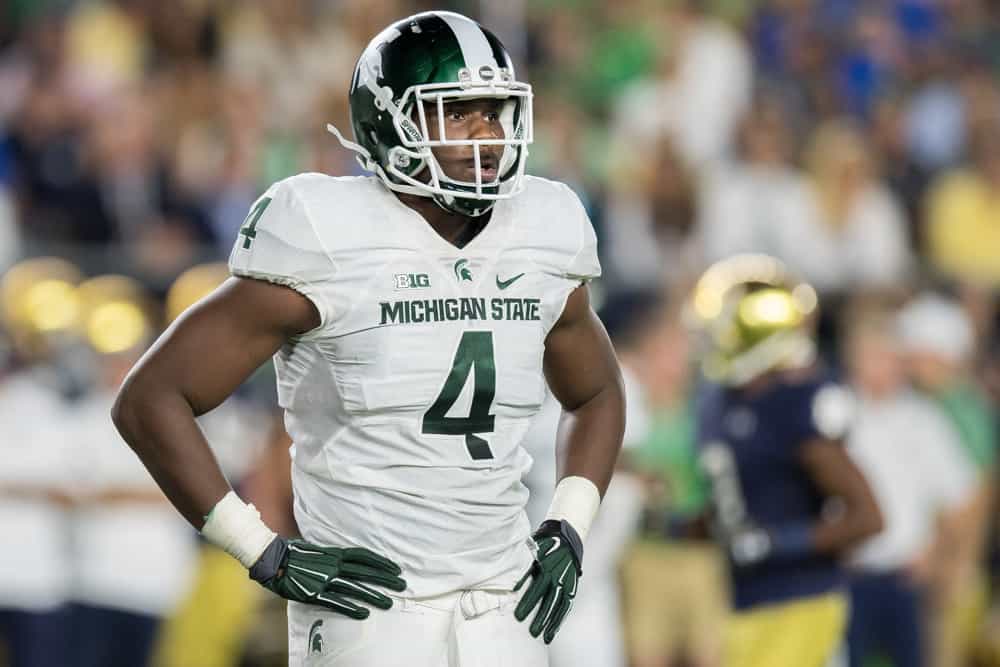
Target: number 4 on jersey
{"type": "Point", "coordinates": [474, 354]}
{"type": "Point", "coordinates": [249, 228]}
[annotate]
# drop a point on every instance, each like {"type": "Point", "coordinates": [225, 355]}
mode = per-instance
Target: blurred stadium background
{"type": "Point", "coordinates": [857, 140]}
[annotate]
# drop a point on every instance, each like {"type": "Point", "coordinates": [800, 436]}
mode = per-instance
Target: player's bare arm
{"type": "Point", "coordinates": [830, 467]}
{"type": "Point", "coordinates": [195, 366]}
{"type": "Point", "coordinates": [582, 371]}
{"type": "Point", "coordinates": [583, 374]}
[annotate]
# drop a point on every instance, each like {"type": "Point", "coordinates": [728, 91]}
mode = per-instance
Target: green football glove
{"type": "Point", "coordinates": [331, 577]}
{"type": "Point", "coordinates": [558, 555]}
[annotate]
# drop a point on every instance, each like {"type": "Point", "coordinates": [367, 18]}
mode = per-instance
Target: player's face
{"type": "Point", "coordinates": [465, 120]}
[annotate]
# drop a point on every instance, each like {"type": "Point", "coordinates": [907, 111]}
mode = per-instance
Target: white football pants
{"type": "Point", "coordinates": [464, 629]}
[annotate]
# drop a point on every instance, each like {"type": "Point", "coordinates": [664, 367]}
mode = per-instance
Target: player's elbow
{"type": "Point", "coordinates": [133, 400]}
{"type": "Point", "coordinates": [123, 412]}
{"type": "Point", "coordinates": [873, 522]}
{"type": "Point", "coordinates": [868, 521]}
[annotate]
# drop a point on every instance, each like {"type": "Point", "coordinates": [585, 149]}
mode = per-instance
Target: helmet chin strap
{"type": "Point", "coordinates": [363, 157]}
{"type": "Point", "coordinates": [368, 163]}
{"type": "Point", "coordinates": [463, 206]}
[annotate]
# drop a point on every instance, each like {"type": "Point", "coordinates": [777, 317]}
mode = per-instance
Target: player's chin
{"type": "Point", "coordinates": [465, 172]}
{"type": "Point", "coordinates": [461, 166]}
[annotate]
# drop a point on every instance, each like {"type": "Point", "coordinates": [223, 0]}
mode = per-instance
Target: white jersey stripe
{"type": "Point", "coordinates": [475, 49]}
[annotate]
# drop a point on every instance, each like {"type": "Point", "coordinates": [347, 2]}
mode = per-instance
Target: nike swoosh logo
{"type": "Point", "coordinates": [556, 543]}
{"type": "Point", "coordinates": [504, 284]}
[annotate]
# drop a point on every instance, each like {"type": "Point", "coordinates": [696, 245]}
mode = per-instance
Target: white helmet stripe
{"type": "Point", "coordinates": [475, 48]}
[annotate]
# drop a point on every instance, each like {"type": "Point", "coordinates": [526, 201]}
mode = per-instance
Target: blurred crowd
{"type": "Point", "coordinates": [856, 140]}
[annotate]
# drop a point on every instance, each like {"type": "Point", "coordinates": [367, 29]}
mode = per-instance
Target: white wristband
{"type": "Point", "coordinates": [576, 500]}
{"type": "Point", "coordinates": [236, 528]}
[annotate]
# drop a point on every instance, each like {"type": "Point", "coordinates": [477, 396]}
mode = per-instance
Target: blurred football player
{"type": "Point", "coordinates": [133, 556]}
{"type": "Point", "coordinates": [414, 316]}
{"type": "Point", "coordinates": [38, 310]}
{"type": "Point", "coordinates": [770, 433]}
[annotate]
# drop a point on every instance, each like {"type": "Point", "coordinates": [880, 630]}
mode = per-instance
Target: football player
{"type": "Point", "coordinates": [414, 317]}
{"type": "Point", "coordinates": [38, 307]}
{"type": "Point", "coordinates": [770, 433]}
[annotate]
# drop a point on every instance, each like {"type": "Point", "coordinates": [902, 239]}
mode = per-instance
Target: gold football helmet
{"type": "Point", "coordinates": [753, 316]}
{"type": "Point", "coordinates": [115, 314]}
{"type": "Point", "coordinates": [193, 285]}
{"type": "Point", "coordinates": [39, 304]}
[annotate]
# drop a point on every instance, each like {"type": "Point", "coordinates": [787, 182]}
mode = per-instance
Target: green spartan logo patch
{"type": "Point", "coordinates": [461, 271]}
{"type": "Point", "coordinates": [315, 638]}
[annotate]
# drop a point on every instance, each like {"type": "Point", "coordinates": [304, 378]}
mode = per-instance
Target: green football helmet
{"type": "Point", "coordinates": [436, 58]}
{"type": "Point", "coordinates": [753, 317]}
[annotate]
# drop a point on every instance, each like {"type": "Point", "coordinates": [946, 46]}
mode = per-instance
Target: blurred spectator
{"type": "Point", "coordinates": [963, 234]}
{"type": "Point", "coordinates": [794, 50]}
{"type": "Point", "coordinates": [839, 229]}
{"type": "Point", "coordinates": [698, 92]}
{"type": "Point", "coordinates": [861, 241]}
{"type": "Point", "coordinates": [935, 122]}
{"type": "Point", "coordinates": [56, 189]}
{"type": "Point", "coordinates": [36, 566]}
{"type": "Point", "coordinates": [902, 174]}
{"type": "Point", "coordinates": [650, 220]}
{"type": "Point", "coordinates": [869, 58]}
{"type": "Point", "coordinates": [107, 44]}
{"type": "Point", "coordinates": [563, 146]}
{"type": "Point", "coordinates": [280, 49]}
{"type": "Point", "coordinates": [939, 343]}
{"type": "Point", "coordinates": [937, 339]}
{"type": "Point", "coordinates": [756, 203]}
{"type": "Point", "coordinates": [10, 232]}
{"type": "Point", "coordinates": [672, 619]}
{"type": "Point", "coordinates": [913, 459]}
{"type": "Point", "coordinates": [622, 47]}
{"type": "Point", "coordinates": [146, 203]}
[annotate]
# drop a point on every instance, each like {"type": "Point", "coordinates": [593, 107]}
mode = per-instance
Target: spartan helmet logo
{"type": "Point", "coordinates": [461, 271]}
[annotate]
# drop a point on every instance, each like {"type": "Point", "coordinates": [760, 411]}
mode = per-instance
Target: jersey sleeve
{"type": "Point", "coordinates": [583, 264]}
{"type": "Point", "coordinates": [277, 243]}
{"type": "Point", "coordinates": [826, 411]}
{"type": "Point", "coordinates": [569, 249]}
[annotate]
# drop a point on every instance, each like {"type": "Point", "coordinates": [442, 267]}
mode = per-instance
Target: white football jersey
{"type": "Point", "coordinates": [408, 404]}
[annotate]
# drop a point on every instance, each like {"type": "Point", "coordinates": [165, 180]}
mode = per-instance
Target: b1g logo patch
{"type": "Point", "coordinates": [410, 281]}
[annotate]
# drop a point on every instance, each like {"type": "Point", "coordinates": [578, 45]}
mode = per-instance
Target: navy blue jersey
{"type": "Point", "coordinates": [758, 436]}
